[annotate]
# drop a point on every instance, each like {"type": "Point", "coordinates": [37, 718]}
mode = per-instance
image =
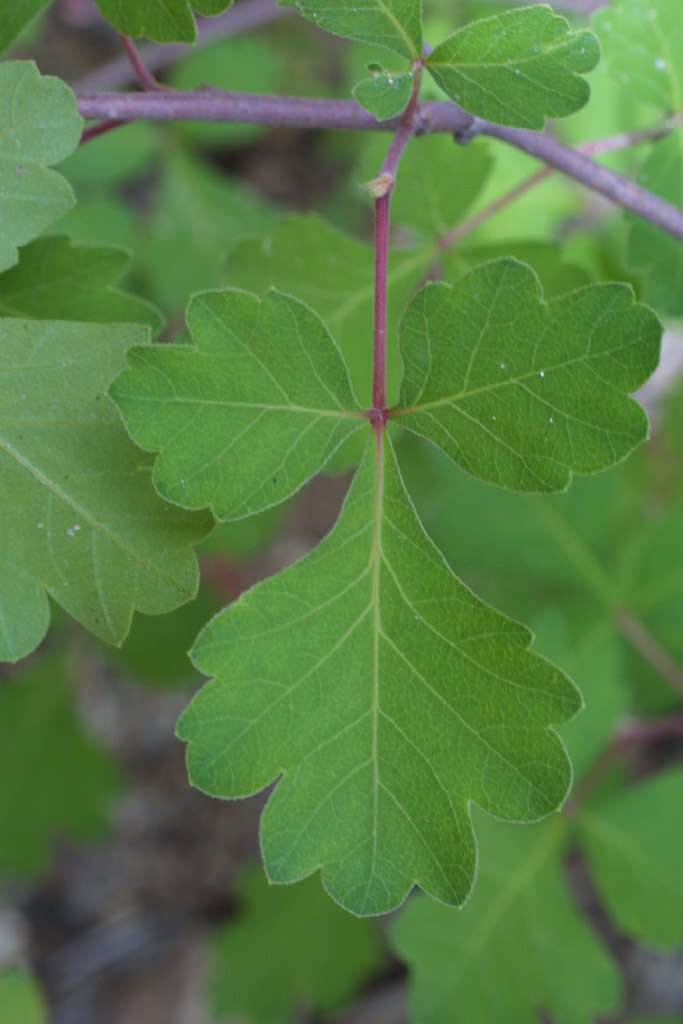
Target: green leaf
{"type": "Point", "coordinates": [241, 422]}
{"type": "Point", "coordinates": [41, 126]}
{"type": "Point", "coordinates": [654, 255]}
{"type": "Point", "coordinates": [643, 46]}
{"type": "Point", "coordinates": [386, 94]}
{"type": "Point", "coordinates": [394, 24]}
{"type": "Point", "coordinates": [198, 216]}
{"type": "Point", "coordinates": [290, 949]}
{"type": "Point", "coordinates": [15, 17]}
{"type": "Point", "coordinates": [520, 392]}
{"type": "Point", "coordinates": [72, 781]}
{"type": "Point", "coordinates": [80, 520]}
{"type": "Point", "coordinates": [166, 21]}
{"type": "Point", "coordinates": [332, 273]}
{"type": "Point", "coordinates": [20, 998]}
{"type": "Point", "coordinates": [635, 849]}
{"type": "Point", "coordinates": [388, 697]}
{"type": "Point", "coordinates": [547, 260]}
{"type": "Point", "coordinates": [520, 924]}
{"type": "Point", "coordinates": [57, 281]}
{"type": "Point", "coordinates": [518, 67]}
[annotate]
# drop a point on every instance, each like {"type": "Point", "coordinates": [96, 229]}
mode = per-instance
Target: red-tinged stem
{"type": "Point", "coordinates": [633, 732]}
{"type": "Point", "coordinates": [144, 77]}
{"type": "Point", "coordinates": [93, 130]}
{"type": "Point", "coordinates": [382, 188]}
{"type": "Point", "coordinates": [379, 365]}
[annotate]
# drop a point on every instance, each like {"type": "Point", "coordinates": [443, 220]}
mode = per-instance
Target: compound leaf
{"type": "Point", "coordinates": [518, 67]}
{"type": "Point", "coordinates": [652, 254]}
{"type": "Point", "coordinates": [20, 998]}
{"type": "Point", "coordinates": [643, 46]}
{"type": "Point", "coordinates": [394, 24]}
{"type": "Point", "coordinates": [40, 127]}
{"type": "Point", "coordinates": [635, 848]}
{"type": "Point", "coordinates": [388, 697]}
{"type": "Point", "coordinates": [55, 280]}
{"type": "Point", "coordinates": [72, 780]}
{"type": "Point", "coordinates": [290, 949]}
{"type": "Point", "coordinates": [248, 414]}
{"type": "Point", "coordinates": [166, 21]}
{"type": "Point", "coordinates": [520, 392]}
{"type": "Point", "coordinates": [79, 520]}
{"type": "Point", "coordinates": [520, 919]}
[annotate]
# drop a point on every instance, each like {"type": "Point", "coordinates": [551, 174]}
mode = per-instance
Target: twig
{"type": "Point", "coordinates": [430, 117]}
{"type": "Point", "coordinates": [143, 75]}
{"type": "Point", "coordinates": [381, 188]}
{"type": "Point", "coordinates": [621, 141]}
{"type": "Point", "coordinates": [156, 56]}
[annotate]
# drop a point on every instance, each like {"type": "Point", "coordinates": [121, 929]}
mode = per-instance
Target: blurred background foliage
{"type": "Point", "coordinates": [127, 898]}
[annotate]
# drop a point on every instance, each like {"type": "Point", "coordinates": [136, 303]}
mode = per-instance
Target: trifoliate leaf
{"type": "Point", "coordinates": [387, 697]}
{"type": "Point", "coordinates": [643, 46]}
{"type": "Point", "coordinates": [243, 419]}
{"type": "Point", "coordinates": [386, 94]}
{"type": "Point", "coordinates": [57, 281]}
{"type": "Point", "coordinates": [634, 845]}
{"type": "Point", "coordinates": [15, 17]}
{"type": "Point", "coordinates": [20, 998]}
{"type": "Point", "coordinates": [166, 21]}
{"type": "Point", "coordinates": [394, 24]}
{"type": "Point", "coordinates": [520, 392]}
{"type": "Point", "coordinates": [71, 780]}
{"type": "Point", "coordinates": [333, 273]}
{"type": "Point", "coordinates": [79, 520]}
{"type": "Point", "coordinates": [653, 255]}
{"type": "Point", "coordinates": [518, 67]}
{"type": "Point", "coordinates": [40, 127]}
{"type": "Point", "coordinates": [290, 949]}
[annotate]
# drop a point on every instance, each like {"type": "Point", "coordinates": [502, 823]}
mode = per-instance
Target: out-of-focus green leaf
{"type": "Point", "coordinates": [546, 259]}
{"type": "Point", "coordinates": [519, 922]}
{"type": "Point", "coordinates": [79, 519]}
{"type": "Point", "coordinates": [634, 844]}
{"type": "Point", "coordinates": [166, 21]}
{"type": "Point", "coordinates": [16, 16]}
{"type": "Point", "coordinates": [20, 999]}
{"type": "Point", "coordinates": [197, 219]}
{"type": "Point", "coordinates": [523, 393]}
{"type": "Point", "coordinates": [518, 67]}
{"type": "Point", "coordinates": [291, 949]}
{"type": "Point", "coordinates": [57, 281]}
{"type": "Point", "coordinates": [643, 46]}
{"type": "Point", "coordinates": [56, 781]}
{"type": "Point", "coordinates": [112, 158]}
{"type": "Point", "coordinates": [40, 126]}
{"type": "Point", "coordinates": [652, 254]}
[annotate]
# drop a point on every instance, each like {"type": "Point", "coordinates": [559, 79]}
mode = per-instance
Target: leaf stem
{"type": "Point", "coordinates": [93, 130]}
{"type": "Point", "coordinates": [382, 187]}
{"type": "Point", "coordinates": [640, 637]}
{"type": "Point", "coordinates": [143, 75]}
